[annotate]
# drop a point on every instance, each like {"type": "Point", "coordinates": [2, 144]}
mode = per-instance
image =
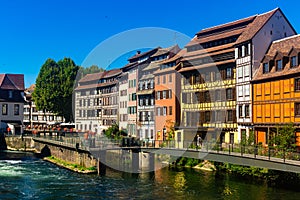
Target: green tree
{"type": "Point", "coordinates": [114, 132]}
{"type": "Point", "coordinates": [54, 87]}
{"type": "Point", "coordinates": [44, 92]}
{"type": "Point", "coordinates": [285, 139]}
{"type": "Point", "coordinates": [89, 70]}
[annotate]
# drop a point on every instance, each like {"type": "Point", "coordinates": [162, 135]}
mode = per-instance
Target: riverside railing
{"type": "Point", "coordinates": [88, 141]}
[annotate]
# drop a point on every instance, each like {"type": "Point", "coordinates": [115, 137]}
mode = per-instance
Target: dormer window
{"type": "Point", "coordinates": [294, 62]}
{"type": "Point", "coordinates": [279, 65]}
{"type": "Point", "coordinates": [10, 94]}
{"type": "Point", "coordinates": [266, 68]}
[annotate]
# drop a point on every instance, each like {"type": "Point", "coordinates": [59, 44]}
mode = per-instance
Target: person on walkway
{"type": "Point", "coordinates": [199, 141]}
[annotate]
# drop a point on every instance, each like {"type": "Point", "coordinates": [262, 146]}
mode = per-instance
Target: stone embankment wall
{"type": "Point", "coordinates": [68, 154]}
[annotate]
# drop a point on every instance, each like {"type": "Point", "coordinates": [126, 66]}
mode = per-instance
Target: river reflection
{"type": "Point", "coordinates": [37, 179]}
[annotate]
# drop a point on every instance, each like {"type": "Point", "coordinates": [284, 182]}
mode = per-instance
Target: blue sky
{"type": "Point", "coordinates": [32, 31]}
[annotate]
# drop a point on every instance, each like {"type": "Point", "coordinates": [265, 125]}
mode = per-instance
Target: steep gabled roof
{"type": "Point", "coordinates": [12, 81]}
{"type": "Point", "coordinates": [256, 25]}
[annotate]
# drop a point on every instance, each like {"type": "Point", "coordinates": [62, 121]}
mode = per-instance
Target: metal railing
{"type": "Point", "coordinates": [88, 141]}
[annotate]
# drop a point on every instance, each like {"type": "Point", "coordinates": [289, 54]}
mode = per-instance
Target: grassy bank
{"type": "Point", "coordinates": [71, 166]}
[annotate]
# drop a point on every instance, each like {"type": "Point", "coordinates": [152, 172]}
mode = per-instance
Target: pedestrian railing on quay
{"type": "Point", "coordinates": [87, 142]}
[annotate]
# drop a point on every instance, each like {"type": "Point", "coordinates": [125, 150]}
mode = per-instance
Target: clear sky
{"type": "Point", "coordinates": [33, 30]}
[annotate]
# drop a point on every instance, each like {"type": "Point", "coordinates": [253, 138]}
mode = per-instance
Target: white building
{"type": "Point", "coordinates": [250, 49]}
{"type": "Point", "coordinates": [11, 102]}
{"type": "Point", "coordinates": [34, 117]}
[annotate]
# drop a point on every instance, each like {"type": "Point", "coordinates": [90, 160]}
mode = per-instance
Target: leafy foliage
{"type": "Point", "coordinates": [285, 139]}
{"type": "Point", "coordinates": [114, 132]}
{"type": "Point", "coordinates": [89, 70]}
{"type": "Point", "coordinates": [54, 87]}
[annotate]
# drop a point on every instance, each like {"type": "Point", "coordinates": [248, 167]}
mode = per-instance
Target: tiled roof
{"type": "Point", "coordinates": [143, 54]}
{"type": "Point", "coordinates": [91, 77]}
{"type": "Point", "coordinates": [199, 56]}
{"type": "Point", "coordinates": [255, 26]}
{"type": "Point", "coordinates": [153, 65]}
{"type": "Point", "coordinates": [168, 70]}
{"type": "Point", "coordinates": [225, 26]}
{"type": "Point", "coordinates": [95, 77]}
{"type": "Point", "coordinates": [212, 64]}
{"type": "Point", "coordinates": [30, 89]}
{"type": "Point", "coordinates": [216, 36]}
{"type": "Point", "coordinates": [179, 55]}
{"type": "Point", "coordinates": [163, 51]}
{"type": "Point", "coordinates": [12, 81]}
{"type": "Point", "coordinates": [111, 73]}
{"type": "Point", "coordinates": [283, 46]}
{"type": "Point", "coordinates": [148, 76]}
{"type": "Point", "coordinates": [90, 86]}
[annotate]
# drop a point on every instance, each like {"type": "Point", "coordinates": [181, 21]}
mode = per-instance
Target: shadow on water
{"type": "Point", "coordinates": [17, 155]}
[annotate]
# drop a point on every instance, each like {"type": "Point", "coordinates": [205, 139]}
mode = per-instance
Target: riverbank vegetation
{"type": "Point", "coordinates": [271, 177]}
{"type": "Point", "coordinates": [70, 166]}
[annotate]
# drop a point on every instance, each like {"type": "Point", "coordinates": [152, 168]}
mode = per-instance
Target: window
{"type": "Point", "coordinates": [206, 96]}
{"type": "Point", "coordinates": [164, 79]}
{"type": "Point", "coordinates": [228, 73]}
{"type": "Point", "coordinates": [297, 109]}
{"type": "Point", "coordinates": [265, 68]}
{"type": "Point", "coordinates": [218, 116]}
{"type": "Point", "coordinates": [170, 110]}
{"type": "Point", "coordinates": [158, 111]}
{"type": "Point", "coordinates": [247, 111]}
{"type": "Point", "coordinates": [165, 111]}
{"type": "Point", "coordinates": [297, 84]}
{"type": "Point", "coordinates": [240, 72]}
{"type": "Point", "coordinates": [207, 116]}
{"type": "Point", "coordinates": [170, 94]}
{"type": "Point", "coordinates": [240, 111]}
{"type": "Point", "coordinates": [133, 97]}
{"type": "Point", "coordinates": [151, 84]}
{"type": "Point", "coordinates": [164, 94]}
{"type": "Point", "coordinates": [240, 91]}
{"type": "Point", "coordinates": [247, 70]}
{"type": "Point", "coordinates": [293, 61]}
{"type": "Point", "coordinates": [247, 90]}
{"type": "Point", "coordinates": [278, 65]}
{"type": "Point", "coordinates": [158, 95]}
{"type": "Point", "coordinates": [16, 109]}
{"type": "Point", "coordinates": [229, 95]}
{"type": "Point", "coordinates": [4, 109]}
{"type": "Point", "coordinates": [170, 78]}
{"type": "Point", "coordinates": [229, 115]}
{"type": "Point", "coordinates": [218, 95]}
{"type": "Point", "coordinates": [10, 94]}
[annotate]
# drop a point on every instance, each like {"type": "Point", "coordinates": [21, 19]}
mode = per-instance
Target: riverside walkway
{"type": "Point", "coordinates": [257, 156]}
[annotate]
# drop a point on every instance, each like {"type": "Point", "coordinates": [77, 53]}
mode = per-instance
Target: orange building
{"type": "Point", "coordinates": [167, 96]}
{"type": "Point", "coordinates": [276, 89]}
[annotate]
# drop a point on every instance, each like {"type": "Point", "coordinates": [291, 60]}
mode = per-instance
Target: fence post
{"type": "Point", "coordinates": [269, 153]}
{"type": "Point", "coordinates": [229, 148]}
{"type": "Point", "coordinates": [284, 155]}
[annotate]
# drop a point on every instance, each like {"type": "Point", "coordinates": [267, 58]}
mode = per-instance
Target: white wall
{"type": "Point", "coordinates": [262, 40]}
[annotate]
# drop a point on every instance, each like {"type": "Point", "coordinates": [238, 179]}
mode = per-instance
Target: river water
{"type": "Point", "coordinates": [23, 176]}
